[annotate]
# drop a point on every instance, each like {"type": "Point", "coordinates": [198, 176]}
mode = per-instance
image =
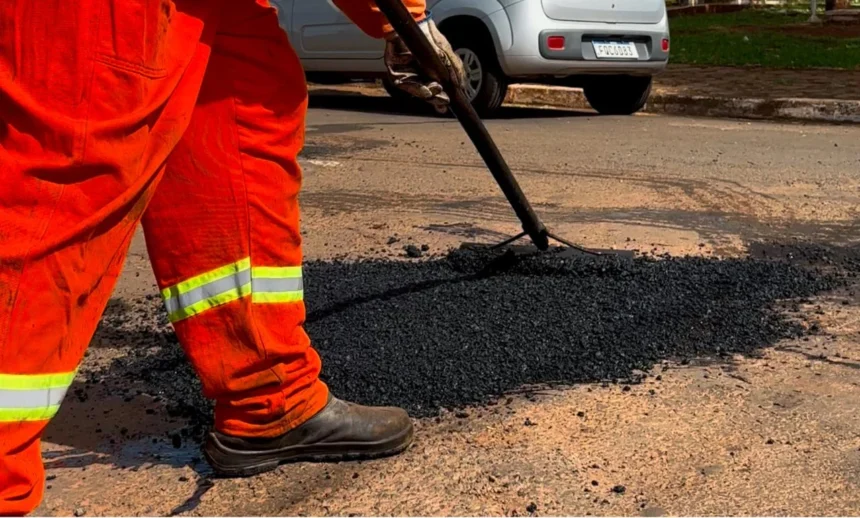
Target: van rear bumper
{"type": "Point", "coordinates": [529, 55]}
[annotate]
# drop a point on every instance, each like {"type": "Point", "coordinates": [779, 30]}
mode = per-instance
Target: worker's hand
{"type": "Point", "coordinates": [404, 72]}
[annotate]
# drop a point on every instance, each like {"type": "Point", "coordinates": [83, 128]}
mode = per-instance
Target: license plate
{"type": "Point", "coordinates": [615, 50]}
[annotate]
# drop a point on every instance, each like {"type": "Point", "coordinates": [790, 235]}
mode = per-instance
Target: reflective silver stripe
{"type": "Point", "coordinates": [276, 285]}
{"type": "Point", "coordinates": [208, 290]}
{"type": "Point", "coordinates": [264, 284]}
{"type": "Point", "coordinates": [37, 398]}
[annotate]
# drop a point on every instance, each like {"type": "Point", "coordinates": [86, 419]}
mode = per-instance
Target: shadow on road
{"type": "Point", "coordinates": [349, 101]}
{"type": "Point", "coordinates": [447, 333]}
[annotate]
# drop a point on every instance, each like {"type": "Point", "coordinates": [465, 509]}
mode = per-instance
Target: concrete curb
{"type": "Point", "coordinates": [796, 109]}
{"type": "Point", "coordinates": [799, 109]}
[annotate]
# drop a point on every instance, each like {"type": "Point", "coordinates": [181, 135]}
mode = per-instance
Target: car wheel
{"type": "Point", "coordinates": [486, 85]}
{"type": "Point", "coordinates": [618, 95]}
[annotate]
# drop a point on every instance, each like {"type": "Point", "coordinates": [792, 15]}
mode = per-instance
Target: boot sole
{"type": "Point", "coordinates": [228, 462]}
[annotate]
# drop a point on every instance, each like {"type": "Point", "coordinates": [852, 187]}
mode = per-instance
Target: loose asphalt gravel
{"type": "Point", "coordinates": [449, 332]}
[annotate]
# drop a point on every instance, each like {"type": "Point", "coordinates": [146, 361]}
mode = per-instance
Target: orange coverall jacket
{"type": "Point", "coordinates": [187, 115]}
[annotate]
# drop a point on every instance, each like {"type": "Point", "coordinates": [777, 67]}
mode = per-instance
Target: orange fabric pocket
{"type": "Point", "coordinates": [133, 35]}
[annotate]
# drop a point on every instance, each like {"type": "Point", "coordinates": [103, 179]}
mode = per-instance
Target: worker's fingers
{"type": "Point", "coordinates": [406, 75]}
{"type": "Point", "coordinates": [452, 62]}
{"type": "Point", "coordinates": [413, 84]}
{"type": "Point", "coordinates": [440, 101]}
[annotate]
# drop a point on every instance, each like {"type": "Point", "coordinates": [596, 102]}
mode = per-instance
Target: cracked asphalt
{"type": "Point", "coordinates": [714, 374]}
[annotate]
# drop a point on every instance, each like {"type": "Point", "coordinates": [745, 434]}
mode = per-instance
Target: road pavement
{"type": "Point", "coordinates": [759, 431]}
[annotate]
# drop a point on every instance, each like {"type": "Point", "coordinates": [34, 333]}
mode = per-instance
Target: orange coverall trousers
{"type": "Point", "coordinates": [187, 115]}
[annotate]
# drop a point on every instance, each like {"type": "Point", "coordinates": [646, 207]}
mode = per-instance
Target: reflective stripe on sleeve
{"type": "Point", "coordinates": [265, 284]}
{"type": "Point", "coordinates": [32, 397]}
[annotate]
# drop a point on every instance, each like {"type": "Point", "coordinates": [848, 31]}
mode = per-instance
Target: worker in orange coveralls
{"type": "Point", "coordinates": [187, 115]}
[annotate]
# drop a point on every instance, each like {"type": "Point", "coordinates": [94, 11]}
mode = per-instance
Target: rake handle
{"type": "Point", "coordinates": [406, 27]}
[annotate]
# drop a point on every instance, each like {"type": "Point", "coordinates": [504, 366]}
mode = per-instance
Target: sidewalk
{"type": "Point", "coordinates": [813, 95]}
{"type": "Point", "coordinates": [758, 93]}
{"type": "Point", "coordinates": [764, 83]}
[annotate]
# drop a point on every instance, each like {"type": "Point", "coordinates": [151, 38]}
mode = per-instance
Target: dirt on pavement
{"type": "Point", "coordinates": [766, 429]}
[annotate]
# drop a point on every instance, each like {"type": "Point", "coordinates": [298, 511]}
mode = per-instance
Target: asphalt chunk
{"type": "Point", "coordinates": [412, 251]}
{"type": "Point", "coordinates": [465, 329]}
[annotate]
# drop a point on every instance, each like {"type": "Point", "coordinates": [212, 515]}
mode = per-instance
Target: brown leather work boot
{"type": "Point", "coordinates": [340, 431]}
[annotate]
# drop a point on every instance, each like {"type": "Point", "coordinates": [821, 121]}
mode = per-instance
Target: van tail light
{"type": "Point", "coordinates": [665, 45]}
{"type": "Point", "coordinates": [555, 43]}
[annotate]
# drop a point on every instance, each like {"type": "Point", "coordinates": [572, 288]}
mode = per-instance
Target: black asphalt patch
{"type": "Point", "coordinates": [451, 332]}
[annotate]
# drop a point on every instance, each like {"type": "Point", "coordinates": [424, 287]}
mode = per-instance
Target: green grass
{"type": "Point", "coordinates": [755, 17]}
{"type": "Point", "coordinates": [752, 37]}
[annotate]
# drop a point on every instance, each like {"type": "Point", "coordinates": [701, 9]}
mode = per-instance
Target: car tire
{"type": "Point", "coordinates": [618, 95]}
{"type": "Point", "coordinates": [487, 83]}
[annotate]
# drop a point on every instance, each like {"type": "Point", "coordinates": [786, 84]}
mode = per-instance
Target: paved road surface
{"type": "Point", "coordinates": [769, 435]}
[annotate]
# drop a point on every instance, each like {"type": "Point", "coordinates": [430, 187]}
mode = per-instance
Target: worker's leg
{"type": "Point", "coordinates": [92, 98]}
{"type": "Point", "coordinates": [223, 234]}
{"type": "Point", "coordinates": [226, 212]}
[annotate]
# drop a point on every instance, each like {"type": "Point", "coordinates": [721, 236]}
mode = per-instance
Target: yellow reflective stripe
{"type": "Point", "coordinates": [36, 381]}
{"type": "Point", "coordinates": [266, 284]}
{"type": "Point", "coordinates": [276, 272]}
{"type": "Point", "coordinates": [210, 302]}
{"type": "Point", "coordinates": [272, 297]}
{"type": "Point", "coordinates": [12, 415]}
{"type": "Point", "coordinates": [205, 278]}
{"type": "Point", "coordinates": [32, 397]}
